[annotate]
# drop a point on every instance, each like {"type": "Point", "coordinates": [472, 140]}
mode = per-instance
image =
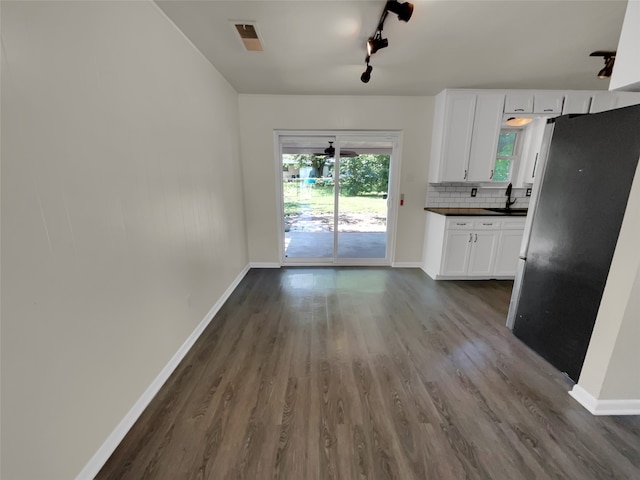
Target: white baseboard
{"type": "Point", "coordinates": [406, 264]}
{"type": "Point", "coordinates": [264, 265]}
{"type": "Point", "coordinates": [426, 270]}
{"type": "Point", "coordinates": [98, 460]}
{"type": "Point", "coordinates": [604, 407]}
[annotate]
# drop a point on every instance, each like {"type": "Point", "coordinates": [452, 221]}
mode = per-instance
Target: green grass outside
{"type": "Point", "coordinates": [314, 200]}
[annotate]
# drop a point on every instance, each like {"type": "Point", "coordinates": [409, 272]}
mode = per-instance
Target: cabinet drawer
{"type": "Point", "coordinates": [519, 103]}
{"type": "Point", "coordinates": [458, 223]}
{"type": "Point", "coordinates": [488, 224]}
{"type": "Point", "coordinates": [514, 223]}
{"type": "Point", "coordinates": [548, 103]}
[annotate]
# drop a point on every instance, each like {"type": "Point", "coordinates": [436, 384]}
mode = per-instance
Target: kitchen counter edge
{"type": "Point", "coordinates": [470, 212]}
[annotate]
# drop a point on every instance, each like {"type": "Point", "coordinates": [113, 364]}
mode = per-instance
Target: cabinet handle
{"type": "Point", "coordinates": [461, 223]}
{"type": "Point", "coordinates": [491, 176]}
{"type": "Point", "coordinates": [465, 174]}
{"type": "Point", "coordinates": [535, 165]}
{"type": "Point", "coordinates": [518, 109]}
{"type": "Point", "coordinates": [548, 109]}
{"type": "Point", "coordinates": [487, 223]}
{"type": "Point", "coordinates": [470, 237]}
{"type": "Point", "coordinates": [476, 240]}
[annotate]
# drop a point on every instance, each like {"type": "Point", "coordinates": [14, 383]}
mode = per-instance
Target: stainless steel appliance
{"type": "Point", "coordinates": [571, 233]}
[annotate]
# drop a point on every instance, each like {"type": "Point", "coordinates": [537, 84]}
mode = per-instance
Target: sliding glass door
{"type": "Point", "coordinates": [308, 194]}
{"type": "Point", "coordinates": [335, 199]}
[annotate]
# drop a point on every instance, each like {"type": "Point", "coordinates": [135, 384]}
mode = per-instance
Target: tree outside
{"type": "Point", "coordinates": [308, 196]}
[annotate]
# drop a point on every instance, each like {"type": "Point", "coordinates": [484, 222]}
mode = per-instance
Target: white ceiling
{"type": "Point", "coordinates": [318, 47]}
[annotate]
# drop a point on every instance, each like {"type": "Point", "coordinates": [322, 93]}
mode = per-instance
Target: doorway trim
{"type": "Point", "coordinates": [393, 199]}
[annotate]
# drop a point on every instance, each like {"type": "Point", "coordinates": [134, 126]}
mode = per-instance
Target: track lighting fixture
{"type": "Point", "coordinates": [376, 42]}
{"type": "Point", "coordinates": [403, 10]}
{"type": "Point", "coordinates": [609, 60]}
{"type": "Point", "coordinates": [366, 75]}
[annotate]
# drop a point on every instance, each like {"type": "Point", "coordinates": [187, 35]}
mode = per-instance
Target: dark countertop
{"type": "Point", "coordinates": [470, 212]}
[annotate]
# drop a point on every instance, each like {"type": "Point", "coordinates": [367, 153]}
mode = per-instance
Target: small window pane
{"type": "Point", "coordinates": [501, 171]}
{"type": "Point", "coordinates": [506, 143]}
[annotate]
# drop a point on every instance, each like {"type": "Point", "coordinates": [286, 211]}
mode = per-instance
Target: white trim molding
{"type": "Point", "coordinates": [604, 407]}
{"type": "Point", "coordinates": [406, 264]}
{"type": "Point", "coordinates": [98, 460]}
{"type": "Point", "coordinates": [265, 265]}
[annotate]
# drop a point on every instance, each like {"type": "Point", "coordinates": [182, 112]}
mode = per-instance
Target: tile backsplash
{"type": "Point", "coordinates": [458, 195]}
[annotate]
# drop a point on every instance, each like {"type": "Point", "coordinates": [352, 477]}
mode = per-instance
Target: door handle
{"type": "Point", "coordinates": [470, 237]}
{"type": "Point", "coordinates": [491, 176]}
{"type": "Point", "coordinates": [465, 174]}
{"type": "Point", "coordinates": [476, 240]}
{"type": "Point", "coordinates": [535, 164]}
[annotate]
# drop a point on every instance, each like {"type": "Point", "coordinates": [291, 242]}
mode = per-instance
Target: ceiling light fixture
{"type": "Point", "coordinates": [609, 60]}
{"type": "Point", "coordinates": [518, 121]}
{"type": "Point", "coordinates": [403, 10]}
{"type": "Point", "coordinates": [366, 75]}
{"type": "Point", "coordinates": [376, 42]}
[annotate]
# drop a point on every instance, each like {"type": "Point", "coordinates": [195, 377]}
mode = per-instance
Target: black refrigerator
{"type": "Point", "coordinates": [572, 233]}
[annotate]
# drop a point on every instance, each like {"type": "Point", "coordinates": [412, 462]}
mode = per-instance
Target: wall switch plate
{"type": "Point", "coordinates": [474, 192]}
{"type": "Point", "coordinates": [528, 193]}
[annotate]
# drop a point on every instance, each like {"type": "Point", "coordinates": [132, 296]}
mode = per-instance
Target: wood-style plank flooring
{"type": "Point", "coordinates": [369, 373]}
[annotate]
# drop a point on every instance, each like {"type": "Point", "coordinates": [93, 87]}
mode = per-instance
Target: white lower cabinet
{"type": "Point", "coordinates": [483, 253]}
{"type": "Point", "coordinates": [472, 247]}
{"type": "Point", "coordinates": [457, 246]}
{"type": "Point", "coordinates": [507, 261]}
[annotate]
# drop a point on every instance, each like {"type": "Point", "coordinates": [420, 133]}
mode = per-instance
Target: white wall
{"type": "Point", "coordinates": [260, 115]}
{"type": "Point", "coordinates": [122, 218]}
{"type": "Point", "coordinates": [610, 370]}
{"type": "Point", "coordinates": [626, 70]}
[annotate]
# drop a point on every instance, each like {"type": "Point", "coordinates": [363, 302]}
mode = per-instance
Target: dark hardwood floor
{"type": "Point", "coordinates": [354, 373]}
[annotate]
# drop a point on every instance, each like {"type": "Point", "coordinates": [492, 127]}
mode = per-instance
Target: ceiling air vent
{"type": "Point", "coordinates": [249, 36]}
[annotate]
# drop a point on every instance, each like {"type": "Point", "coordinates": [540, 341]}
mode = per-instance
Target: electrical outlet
{"type": "Point", "coordinates": [528, 194]}
{"type": "Point", "coordinates": [474, 192]}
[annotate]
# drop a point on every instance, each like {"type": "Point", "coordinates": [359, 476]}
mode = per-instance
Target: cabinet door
{"type": "Point", "coordinates": [530, 158]}
{"type": "Point", "coordinates": [548, 103]}
{"type": "Point", "coordinates": [508, 253]}
{"type": "Point", "coordinates": [519, 103]}
{"type": "Point", "coordinates": [457, 246]}
{"type": "Point", "coordinates": [483, 253]}
{"type": "Point", "coordinates": [603, 101]}
{"type": "Point", "coordinates": [484, 142]}
{"type": "Point", "coordinates": [458, 118]}
{"type": "Point", "coordinates": [576, 102]}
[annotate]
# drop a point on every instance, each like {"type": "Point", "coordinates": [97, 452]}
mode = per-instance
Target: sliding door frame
{"type": "Point", "coordinates": [393, 199]}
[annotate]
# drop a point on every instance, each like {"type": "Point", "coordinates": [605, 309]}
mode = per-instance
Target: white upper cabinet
{"type": "Point", "coordinates": [458, 128]}
{"type": "Point", "coordinates": [530, 157]}
{"type": "Point", "coordinates": [519, 103]}
{"type": "Point", "coordinates": [467, 125]}
{"type": "Point", "coordinates": [577, 102]}
{"type": "Point", "coordinates": [603, 101]}
{"type": "Point", "coordinates": [627, 98]}
{"type": "Point", "coordinates": [465, 136]}
{"type": "Point", "coordinates": [484, 141]}
{"type": "Point", "coordinates": [548, 103]}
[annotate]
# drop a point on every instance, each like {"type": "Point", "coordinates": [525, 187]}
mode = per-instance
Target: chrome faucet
{"type": "Point", "coordinates": [508, 195]}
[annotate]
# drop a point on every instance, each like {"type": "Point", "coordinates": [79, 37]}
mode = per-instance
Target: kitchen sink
{"type": "Point", "coordinates": [511, 211]}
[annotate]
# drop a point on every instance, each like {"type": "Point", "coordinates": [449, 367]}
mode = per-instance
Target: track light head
{"type": "Point", "coordinates": [609, 60]}
{"type": "Point", "coordinates": [608, 67]}
{"type": "Point", "coordinates": [366, 75]}
{"type": "Point", "coordinates": [403, 10]}
{"type": "Point", "coordinates": [375, 43]}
